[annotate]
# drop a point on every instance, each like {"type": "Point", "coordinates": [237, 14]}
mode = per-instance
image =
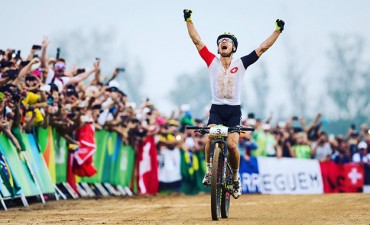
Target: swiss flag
{"type": "Point", "coordinates": [147, 166]}
{"type": "Point", "coordinates": [342, 178]}
{"type": "Point", "coordinates": [353, 175]}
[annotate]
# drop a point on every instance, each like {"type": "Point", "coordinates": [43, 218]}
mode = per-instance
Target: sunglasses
{"type": "Point", "coordinates": [228, 40]}
{"type": "Point", "coordinates": [60, 66]}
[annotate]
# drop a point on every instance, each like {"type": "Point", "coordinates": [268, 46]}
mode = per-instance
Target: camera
{"type": "Point", "coordinates": [30, 108]}
{"type": "Point", "coordinates": [24, 63]}
{"type": "Point", "coordinates": [18, 55]}
{"type": "Point", "coordinates": [12, 74]}
{"type": "Point", "coordinates": [36, 47]}
{"type": "Point", "coordinates": [81, 70]}
{"type": "Point", "coordinates": [71, 115]}
{"type": "Point", "coordinates": [58, 54]}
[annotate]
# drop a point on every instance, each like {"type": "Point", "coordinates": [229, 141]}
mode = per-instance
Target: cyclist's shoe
{"type": "Point", "coordinates": [237, 188]}
{"type": "Point", "coordinates": [207, 179]}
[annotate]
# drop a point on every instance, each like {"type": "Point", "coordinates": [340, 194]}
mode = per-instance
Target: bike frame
{"type": "Point", "coordinates": [223, 141]}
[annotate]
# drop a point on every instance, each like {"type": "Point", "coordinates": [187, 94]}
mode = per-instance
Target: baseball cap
{"type": "Point", "coordinates": [362, 145]}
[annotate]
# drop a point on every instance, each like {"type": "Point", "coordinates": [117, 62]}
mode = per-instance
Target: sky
{"type": "Point", "coordinates": [154, 34]}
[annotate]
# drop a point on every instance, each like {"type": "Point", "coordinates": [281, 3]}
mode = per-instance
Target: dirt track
{"type": "Point", "coordinates": [249, 209]}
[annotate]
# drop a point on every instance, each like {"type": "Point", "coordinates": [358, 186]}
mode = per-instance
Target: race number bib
{"type": "Point", "coordinates": [218, 131]}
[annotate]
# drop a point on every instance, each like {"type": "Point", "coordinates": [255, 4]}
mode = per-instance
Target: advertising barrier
{"type": "Point", "coordinates": [281, 176]}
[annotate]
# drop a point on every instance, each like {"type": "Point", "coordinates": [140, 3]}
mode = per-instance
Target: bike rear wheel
{"type": "Point", "coordinates": [225, 196]}
{"type": "Point", "coordinates": [216, 190]}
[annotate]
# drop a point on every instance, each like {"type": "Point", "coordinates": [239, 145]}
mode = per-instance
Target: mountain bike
{"type": "Point", "coordinates": [222, 184]}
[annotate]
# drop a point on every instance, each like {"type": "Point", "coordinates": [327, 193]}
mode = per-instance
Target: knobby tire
{"type": "Point", "coordinates": [216, 190]}
{"type": "Point", "coordinates": [225, 196]}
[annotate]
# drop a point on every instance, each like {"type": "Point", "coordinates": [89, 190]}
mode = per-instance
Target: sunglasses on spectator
{"type": "Point", "coordinates": [225, 40]}
{"type": "Point", "coordinates": [60, 66]}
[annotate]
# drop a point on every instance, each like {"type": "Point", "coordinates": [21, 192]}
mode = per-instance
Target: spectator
{"type": "Point", "coordinates": [362, 156]}
{"type": "Point", "coordinates": [341, 154]}
{"type": "Point", "coordinates": [301, 149]}
{"type": "Point", "coordinates": [322, 150]}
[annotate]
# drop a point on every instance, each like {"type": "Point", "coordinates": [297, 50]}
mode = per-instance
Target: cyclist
{"type": "Point", "coordinates": [226, 77]}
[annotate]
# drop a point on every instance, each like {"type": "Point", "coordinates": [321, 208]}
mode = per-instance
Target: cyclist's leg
{"type": "Point", "coordinates": [234, 155]}
{"type": "Point", "coordinates": [207, 148]}
{"type": "Point", "coordinates": [214, 119]}
{"type": "Point", "coordinates": [234, 119]}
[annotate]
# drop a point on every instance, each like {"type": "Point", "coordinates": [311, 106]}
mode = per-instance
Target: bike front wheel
{"type": "Point", "coordinates": [225, 196]}
{"type": "Point", "coordinates": [216, 182]}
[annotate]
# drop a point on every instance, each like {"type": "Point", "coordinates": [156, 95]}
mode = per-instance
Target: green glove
{"type": "Point", "coordinates": [187, 14]}
{"type": "Point", "coordinates": [280, 25]}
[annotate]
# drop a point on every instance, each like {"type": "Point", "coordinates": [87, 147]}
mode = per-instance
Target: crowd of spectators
{"type": "Point", "coordinates": [39, 91]}
{"type": "Point", "coordinates": [296, 139]}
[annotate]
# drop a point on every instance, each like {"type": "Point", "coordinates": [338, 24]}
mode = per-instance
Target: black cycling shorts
{"type": "Point", "coordinates": [227, 115]}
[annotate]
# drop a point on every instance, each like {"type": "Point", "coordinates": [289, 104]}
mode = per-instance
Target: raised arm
{"type": "Point", "coordinates": [271, 40]}
{"type": "Point", "coordinates": [192, 31]}
{"type": "Point", "coordinates": [83, 76]}
{"type": "Point", "coordinates": [45, 44]}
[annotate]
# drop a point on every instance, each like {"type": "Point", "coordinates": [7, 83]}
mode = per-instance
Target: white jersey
{"type": "Point", "coordinates": [226, 84]}
{"type": "Point", "coordinates": [59, 82]}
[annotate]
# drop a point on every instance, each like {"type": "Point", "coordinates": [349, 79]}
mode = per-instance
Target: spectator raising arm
{"type": "Point", "coordinates": [83, 76]}
{"type": "Point", "coordinates": [45, 43]}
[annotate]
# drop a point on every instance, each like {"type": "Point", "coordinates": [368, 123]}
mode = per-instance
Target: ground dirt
{"type": "Point", "coordinates": [181, 209]}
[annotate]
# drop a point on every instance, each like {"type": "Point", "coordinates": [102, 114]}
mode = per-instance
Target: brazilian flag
{"type": "Point", "coordinates": [12, 188]}
{"type": "Point", "coordinates": [192, 171]}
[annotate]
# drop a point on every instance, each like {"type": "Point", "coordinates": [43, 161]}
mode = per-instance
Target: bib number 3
{"type": "Point", "coordinates": [217, 131]}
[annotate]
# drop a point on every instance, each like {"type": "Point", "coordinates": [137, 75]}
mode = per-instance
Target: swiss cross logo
{"type": "Point", "coordinates": [354, 175]}
{"type": "Point", "coordinates": [234, 70]}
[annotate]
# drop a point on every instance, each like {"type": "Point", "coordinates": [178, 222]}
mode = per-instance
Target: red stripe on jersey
{"type": "Point", "coordinates": [206, 55]}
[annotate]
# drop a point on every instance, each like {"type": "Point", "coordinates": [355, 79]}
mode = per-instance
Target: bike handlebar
{"type": "Point", "coordinates": [231, 129]}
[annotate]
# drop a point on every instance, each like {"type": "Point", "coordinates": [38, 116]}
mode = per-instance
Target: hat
{"type": "Point", "coordinates": [362, 145]}
{"type": "Point", "coordinates": [114, 83]}
{"type": "Point", "coordinates": [161, 121]}
{"type": "Point", "coordinates": [188, 114]}
{"type": "Point", "coordinates": [172, 122]}
{"type": "Point", "coordinates": [37, 73]}
{"type": "Point", "coordinates": [266, 126]}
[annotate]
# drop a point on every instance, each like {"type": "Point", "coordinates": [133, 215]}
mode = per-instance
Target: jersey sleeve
{"type": "Point", "coordinates": [206, 55]}
{"type": "Point", "coordinates": [249, 59]}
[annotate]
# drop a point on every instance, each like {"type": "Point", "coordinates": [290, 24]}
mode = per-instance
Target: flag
{"type": "Point", "coordinates": [342, 178]}
{"type": "Point", "coordinates": [147, 166]}
{"type": "Point", "coordinates": [83, 156]}
{"type": "Point", "coordinates": [7, 178]}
